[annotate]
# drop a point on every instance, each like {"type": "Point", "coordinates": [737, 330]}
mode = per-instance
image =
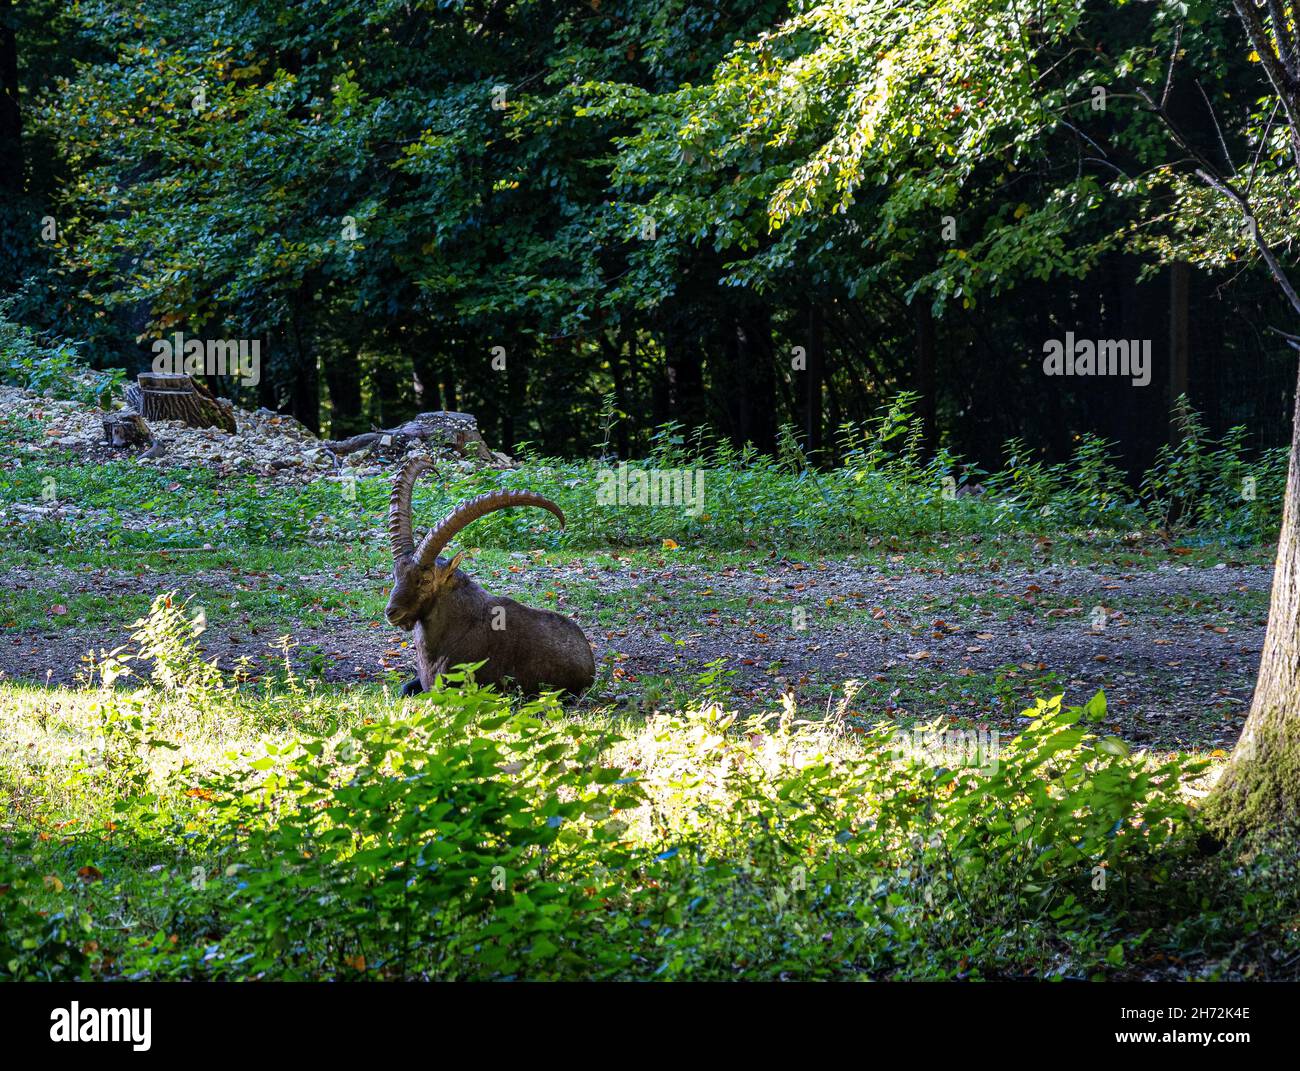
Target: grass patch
{"type": "Point", "coordinates": [178, 826]}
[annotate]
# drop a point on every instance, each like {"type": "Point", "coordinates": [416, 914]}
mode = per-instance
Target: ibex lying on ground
{"type": "Point", "coordinates": [456, 621]}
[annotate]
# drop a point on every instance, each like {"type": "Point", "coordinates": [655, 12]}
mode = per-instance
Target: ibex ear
{"type": "Point", "coordinates": [445, 572]}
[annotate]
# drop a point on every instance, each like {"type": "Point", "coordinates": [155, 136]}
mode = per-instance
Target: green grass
{"type": "Point", "coordinates": [882, 499]}
{"type": "Point", "coordinates": [198, 826]}
{"type": "Point", "coordinates": [261, 608]}
{"type": "Point", "coordinates": [177, 827]}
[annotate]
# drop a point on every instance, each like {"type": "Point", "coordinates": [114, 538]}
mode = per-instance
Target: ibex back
{"type": "Point", "coordinates": [455, 621]}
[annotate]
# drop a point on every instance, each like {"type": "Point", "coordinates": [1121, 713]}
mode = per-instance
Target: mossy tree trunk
{"type": "Point", "coordinates": [1260, 789]}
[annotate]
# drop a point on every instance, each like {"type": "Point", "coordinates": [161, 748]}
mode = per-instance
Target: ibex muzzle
{"type": "Point", "coordinates": [455, 621]}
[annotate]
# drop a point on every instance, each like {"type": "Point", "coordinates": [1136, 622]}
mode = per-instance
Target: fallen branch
{"type": "Point", "coordinates": [456, 430]}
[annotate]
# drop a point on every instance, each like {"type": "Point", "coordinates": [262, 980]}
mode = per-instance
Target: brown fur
{"type": "Point", "coordinates": [456, 622]}
{"type": "Point", "coordinates": [453, 617]}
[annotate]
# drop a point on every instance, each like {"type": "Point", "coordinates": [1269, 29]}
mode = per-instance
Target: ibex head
{"type": "Point", "coordinates": [420, 575]}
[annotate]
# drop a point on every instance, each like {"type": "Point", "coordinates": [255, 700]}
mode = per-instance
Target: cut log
{"type": "Point", "coordinates": [168, 396]}
{"type": "Point", "coordinates": [126, 427]}
{"type": "Point", "coordinates": [458, 431]}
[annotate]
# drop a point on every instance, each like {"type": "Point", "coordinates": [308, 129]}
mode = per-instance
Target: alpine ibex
{"type": "Point", "coordinates": [456, 621]}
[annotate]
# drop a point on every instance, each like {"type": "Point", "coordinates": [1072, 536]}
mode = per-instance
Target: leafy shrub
{"type": "Point", "coordinates": [1199, 482]}
{"type": "Point", "coordinates": [471, 835]}
{"type": "Point", "coordinates": [29, 361]}
{"type": "Point", "coordinates": [884, 860]}
{"type": "Point", "coordinates": [437, 844]}
{"type": "Point", "coordinates": [166, 637]}
{"type": "Point", "coordinates": [35, 945]}
{"type": "Point", "coordinates": [466, 836]}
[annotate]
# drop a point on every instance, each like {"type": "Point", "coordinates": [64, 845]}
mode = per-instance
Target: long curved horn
{"type": "Point", "coordinates": [468, 512]}
{"type": "Point", "coordinates": [400, 533]}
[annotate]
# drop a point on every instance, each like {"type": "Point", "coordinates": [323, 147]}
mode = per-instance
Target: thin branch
{"type": "Point", "coordinates": [1083, 136]}
{"type": "Point", "coordinates": [1106, 163]}
{"type": "Point", "coordinates": [1214, 178]}
{"type": "Point", "coordinates": [1283, 82]}
{"type": "Point", "coordinates": [1223, 144]}
{"type": "Point", "coordinates": [1259, 149]}
{"type": "Point", "coordinates": [1173, 60]}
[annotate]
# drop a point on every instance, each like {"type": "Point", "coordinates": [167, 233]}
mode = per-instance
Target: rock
{"type": "Point", "coordinates": [275, 446]}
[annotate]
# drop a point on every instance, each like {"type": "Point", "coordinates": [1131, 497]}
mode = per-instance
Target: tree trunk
{"type": "Point", "coordinates": [304, 391]}
{"type": "Point", "coordinates": [1260, 789]}
{"type": "Point", "coordinates": [812, 416]}
{"type": "Point", "coordinates": [512, 418]}
{"type": "Point", "coordinates": [126, 427]}
{"type": "Point", "coordinates": [165, 396]}
{"type": "Point", "coordinates": [1180, 277]}
{"type": "Point", "coordinates": [427, 349]}
{"type": "Point", "coordinates": [343, 381]}
{"type": "Point", "coordinates": [457, 431]}
{"type": "Point", "coordinates": [755, 380]}
{"type": "Point", "coordinates": [683, 378]}
{"type": "Point", "coordinates": [620, 387]}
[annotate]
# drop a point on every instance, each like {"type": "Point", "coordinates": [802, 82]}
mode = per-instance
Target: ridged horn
{"type": "Point", "coordinates": [470, 511]}
{"type": "Point", "coordinates": [400, 533]}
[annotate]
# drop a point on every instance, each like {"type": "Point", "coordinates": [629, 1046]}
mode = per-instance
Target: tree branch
{"type": "Point", "coordinates": [1283, 83]}
{"type": "Point", "coordinates": [1214, 178]}
{"type": "Point", "coordinates": [1277, 14]}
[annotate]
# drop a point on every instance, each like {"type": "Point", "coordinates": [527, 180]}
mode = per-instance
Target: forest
{"type": "Point", "coordinates": [613, 490]}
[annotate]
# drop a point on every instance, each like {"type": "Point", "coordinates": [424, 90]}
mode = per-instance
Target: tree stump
{"type": "Point", "coordinates": [170, 396]}
{"type": "Point", "coordinates": [126, 427]}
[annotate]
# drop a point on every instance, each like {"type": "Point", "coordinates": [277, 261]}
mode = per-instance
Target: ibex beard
{"type": "Point", "coordinates": [455, 621]}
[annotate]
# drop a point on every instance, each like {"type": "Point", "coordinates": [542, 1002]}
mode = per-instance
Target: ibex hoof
{"type": "Point", "coordinates": [412, 687]}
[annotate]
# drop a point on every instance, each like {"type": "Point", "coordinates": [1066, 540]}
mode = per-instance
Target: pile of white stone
{"type": "Point", "coordinates": [265, 443]}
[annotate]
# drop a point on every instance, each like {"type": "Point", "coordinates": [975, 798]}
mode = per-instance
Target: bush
{"type": "Point", "coordinates": [443, 844]}
{"type": "Point", "coordinates": [35, 945]}
{"type": "Point", "coordinates": [473, 838]}
{"type": "Point", "coordinates": [53, 365]}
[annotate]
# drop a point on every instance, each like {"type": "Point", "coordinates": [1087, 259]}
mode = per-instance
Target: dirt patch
{"type": "Point", "coordinates": [1176, 660]}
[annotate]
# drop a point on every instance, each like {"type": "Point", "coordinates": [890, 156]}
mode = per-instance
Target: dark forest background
{"type": "Point", "coordinates": [389, 195]}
